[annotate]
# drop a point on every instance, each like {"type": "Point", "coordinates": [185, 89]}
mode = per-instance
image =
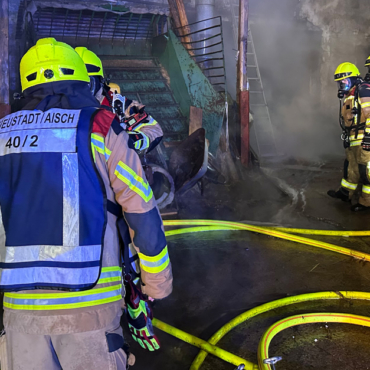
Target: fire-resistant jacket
{"type": "Point", "coordinates": [64, 166]}
{"type": "Point", "coordinates": [352, 120]}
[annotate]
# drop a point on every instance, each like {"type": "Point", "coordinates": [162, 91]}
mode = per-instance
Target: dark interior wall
{"type": "Point", "coordinates": [345, 29]}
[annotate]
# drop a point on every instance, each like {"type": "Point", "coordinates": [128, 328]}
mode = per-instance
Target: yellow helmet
{"type": "Point", "coordinates": [345, 70]}
{"type": "Point", "coordinates": [50, 61]}
{"type": "Point", "coordinates": [114, 88]}
{"type": "Point", "coordinates": [367, 63]}
{"type": "Point", "coordinates": [93, 63]}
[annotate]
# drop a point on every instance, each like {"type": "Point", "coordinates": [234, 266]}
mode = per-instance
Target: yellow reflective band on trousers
{"type": "Point", "coordinates": [347, 185]}
{"type": "Point", "coordinates": [366, 189]}
{"type": "Point", "coordinates": [355, 143]}
{"type": "Point", "coordinates": [155, 264]}
{"type": "Point", "coordinates": [70, 300]}
{"type": "Point", "coordinates": [134, 181]}
{"type": "Point", "coordinates": [359, 137]}
{"type": "Point", "coordinates": [97, 144]}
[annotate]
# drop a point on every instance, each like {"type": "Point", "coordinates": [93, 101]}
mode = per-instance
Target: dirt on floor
{"type": "Point", "coordinates": [219, 275]}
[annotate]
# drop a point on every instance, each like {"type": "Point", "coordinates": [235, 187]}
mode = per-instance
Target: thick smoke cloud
{"type": "Point", "coordinates": [297, 60]}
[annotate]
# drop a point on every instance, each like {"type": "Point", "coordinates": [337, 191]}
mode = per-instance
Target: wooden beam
{"type": "Point", "coordinates": [4, 58]}
{"type": "Point", "coordinates": [174, 13]}
{"type": "Point", "coordinates": [242, 84]}
{"type": "Point", "coordinates": [178, 14]}
{"type": "Point", "coordinates": [182, 13]}
{"type": "Point", "coordinates": [196, 117]}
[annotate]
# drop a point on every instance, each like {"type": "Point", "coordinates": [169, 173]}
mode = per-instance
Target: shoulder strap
{"type": "Point", "coordinates": [117, 128]}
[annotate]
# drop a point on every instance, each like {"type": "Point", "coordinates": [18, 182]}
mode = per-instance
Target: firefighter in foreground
{"type": "Point", "coordinates": [355, 122]}
{"type": "Point", "coordinates": [67, 174]}
{"type": "Point", "coordinates": [144, 131]}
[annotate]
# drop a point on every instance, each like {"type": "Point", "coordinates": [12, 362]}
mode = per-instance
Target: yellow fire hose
{"type": "Point", "coordinates": [202, 344]}
{"type": "Point", "coordinates": [321, 232]}
{"type": "Point", "coordinates": [281, 229]}
{"type": "Point", "coordinates": [228, 357]}
{"type": "Point", "coordinates": [211, 225]}
{"type": "Point", "coordinates": [222, 225]}
{"type": "Point", "coordinates": [308, 318]}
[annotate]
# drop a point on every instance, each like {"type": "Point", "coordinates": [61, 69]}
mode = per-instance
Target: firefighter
{"type": "Point", "coordinates": [144, 131]}
{"type": "Point", "coordinates": [355, 121]}
{"type": "Point", "coordinates": [67, 175]}
{"type": "Point", "coordinates": [367, 65]}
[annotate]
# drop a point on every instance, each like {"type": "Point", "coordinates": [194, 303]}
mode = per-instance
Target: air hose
{"type": "Point", "coordinates": [225, 225]}
{"type": "Point", "coordinates": [211, 225]}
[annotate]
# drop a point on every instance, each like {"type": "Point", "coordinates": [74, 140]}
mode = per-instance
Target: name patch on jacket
{"type": "Point", "coordinates": [37, 131]}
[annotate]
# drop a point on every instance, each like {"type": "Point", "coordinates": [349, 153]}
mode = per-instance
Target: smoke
{"type": "Point", "coordinates": [289, 52]}
{"type": "Point", "coordinates": [297, 60]}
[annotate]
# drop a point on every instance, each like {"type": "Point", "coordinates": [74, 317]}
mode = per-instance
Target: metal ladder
{"type": "Point", "coordinates": [262, 136]}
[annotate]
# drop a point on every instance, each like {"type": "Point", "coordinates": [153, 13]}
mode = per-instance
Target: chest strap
{"type": "Point", "coordinates": [114, 208]}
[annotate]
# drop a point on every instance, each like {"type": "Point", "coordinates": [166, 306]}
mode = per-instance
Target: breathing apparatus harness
{"type": "Point", "coordinates": [356, 111]}
{"type": "Point", "coordinates": [367, 77]}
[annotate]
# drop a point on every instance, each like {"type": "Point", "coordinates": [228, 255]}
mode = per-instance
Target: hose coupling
{"type": "Point", "coordinates": [272, 361]}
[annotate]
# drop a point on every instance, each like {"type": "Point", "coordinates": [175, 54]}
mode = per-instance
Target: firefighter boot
{"type": "Point", "coordinates": [339, 195]}
{"type": "Point", "coordinates": [359, 208]}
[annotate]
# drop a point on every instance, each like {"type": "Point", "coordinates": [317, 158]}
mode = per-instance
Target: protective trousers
{"type": "Point", "coordinates": [356, 170]}
{"type": "Point", "coordinates": [93, 350]}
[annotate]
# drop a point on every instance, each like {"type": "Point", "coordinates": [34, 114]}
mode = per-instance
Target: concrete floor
{"type": "Point", "coordinates": [218, 275]}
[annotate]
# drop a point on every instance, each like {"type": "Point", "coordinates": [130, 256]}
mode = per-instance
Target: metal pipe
{"type": "Point", "coordinates": [243, 85]}
{"type": "Point", "coordinates": [205, 9]}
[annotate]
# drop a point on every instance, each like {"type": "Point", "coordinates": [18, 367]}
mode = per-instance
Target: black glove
{"type": "Point", "coordinates": [366, 143]}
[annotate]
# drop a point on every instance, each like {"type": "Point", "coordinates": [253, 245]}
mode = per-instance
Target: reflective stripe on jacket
{"type": "Point", "coordinates": [103, 293]}
{"type": "Point", "coordinates": [52, 201]}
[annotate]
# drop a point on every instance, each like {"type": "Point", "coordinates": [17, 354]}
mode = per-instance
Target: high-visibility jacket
{"type": "Point", "coordinates": [54, 237]}
{"type": "Point", "coordinates": [60, 170]}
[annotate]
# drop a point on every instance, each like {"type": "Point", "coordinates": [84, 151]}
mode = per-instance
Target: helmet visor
{"type": "Point", "coordinates": [96, 82]}
{"type": "Point", "coordinates": [92, 85]}
{"type": "Point", "coordinates": [344, 85]}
